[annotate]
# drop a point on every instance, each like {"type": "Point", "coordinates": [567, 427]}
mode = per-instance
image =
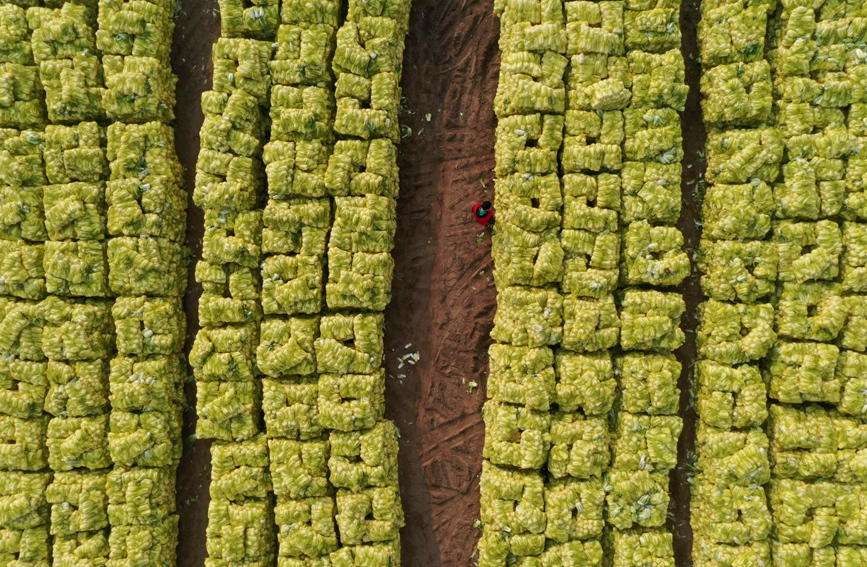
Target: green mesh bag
{"type": "Point", "coordinates": [240, 533]}
{"type": "Point", "coordinates": [731, 397]}
{"type": "Point", "coordinates": [227, 411]}
{"type": "Point", "coordinates": [15, 38]}
{"type": "Point", "coordinates": [651, 320]}
{"type": "Point", "coordinates": [292, 285]}
{"type": "Point", "coordinates": [584, 381]}
{"type": "Point", "coordinates": [230, 294]}
{"type": "Point", "coordinates": [296, 169]}
{"type": "Point", "coordinates": [240, 470]}
{"type": "Point", "coordinates": [651, 192]}
{"type": "Point", "coordinates": [75, 211]}
{"type": "Point", "coordinates": [802, 195]}
{"type": "Point", "coordinates": [653, 255]}
{"type": "Point", "coordinates": [654, 29]}
{"type": "Point", "coordinates": [735, 212]}
{"type": "Point", "coordinates": [27, 546]}
{"type": "Point", "coordinates": [323, 12]}
{"type": "Point", "coordinates": [88, 546]}
{"type": "Point", "coordinates": [22, 500]}
{"type": "Point", "coordinates": [574, 509]}
{"type": "Point", "coordinates": [301, 113]}
{"type": "Point", "coordinates": [307, 531]}
{"type": "Point", "coordinates": [76, 331]}
{"type": "Point", "coordinates": [737, 94]}
{"type": "Point", "coordinates": [590, 262]}
{"type": "Point", "coordinates": [637, 498]}
{"type": "Point", "coordinates": [648, 383]}
{"type": "Point", "coordinates": [819, 514]}
{"type": "Point", "coordinates": [855, 201]}
{"type": "Point", "coordinates": [22, 159]}
{"type": "Point", "coordinates": [364, 459]}
{"type": "Point", "coordinates": [641, 548]}
{"type": "Point", "coordinates": [730, 514]}
{"type": "Point", "coordinates": [20, 94]}
{"type": "Point", "coordinates": [709, 554]}
{"type": "Point", "coordinates": [852, 335]}
{"type": "Point", "coordinates": [364, 224]}
{"type": "Point", "coordinates": [78, 502]}
{"type": "Point", "coordinates": [232, 238]}
{"type": "Point", "coordinates": [78, 443]}
{"type": "Point", "coordinates": [528, 144]}
{"type": "Point", "coordinates": [257, 19]}
{"type": "Point", "coordinates": [75, 153]}
{"type": "Point", "coordinates": [23, 446]}
{"type": "Point", "coordinates": [142, 151]}
{"type": "Point", "coordinates": [21, 329]}
{"type": "Point", "coordinates": [812, 311]}
{"type": "Point", "coordinates": [146, 266]}
{"type": "Point", "coordinates": [148, 439]}
{"type": "Point", "coordinates": [579, 446]}
{"type": "Point", "coordinates": [590, 203]}
{"type": "Point", "coordinates": [21, 269]}
{"type": "Point", "coordinates": [371, 515]}
{"type": "Point", "coordinates": [396, 10]}
{"type": "Point", "coordinates": [350, 344]}
{"type": "Point", "coordinates": [528, 317]}
{"type": "Point", "coordinates": [291, 408]}
{"type": "Point", "coordinates": [594, 27]}
{"type": "Point", "coordinates": [242, 64]}
{"type": "Point", "coordinates": [502, 548]}
{"type": "Point", "coordinates": [303, 54]}
{"type": "Point", "coordinates": [360, 167]}
{"type": "Point", "coordinates": [151, 384]}
{"type": "Point", "coordinates": [532, 202]}
{"type": "Point", "coordinates": [808, 250]}
{"type": "Point", "coordinates": [234, 124]}
{"type": "Point", "coordinates": [299, 468]}
{"type": "Point", "coordinates": [658, 80]}
{"type": "Point", "coordinates": [592, 141]}
{"type": "Point", "coordinates": [531, 82]}
{"type": "Point", "coordinates": [804, 372]}
{"type": "Point", "coordinates": [735, 333]}
{"type": "Point", "coordinates": [733, 458]}
{"type": "Point", "coordinates": [732, 32]}
{"type": "Point", "coordinates": [652, 135]}
{"type": "Point", "coordinates": [351, 402]}
{"type": "Point", "coordinates": [287, 346]}
{"type": "Point", "coordinates": [797, 47]}
{"type": "Point", "coordinates": [595, 81]}
{"type": "Point", "coordinates": [522, 375]}
{"type": "Point", "coordinates": [22, 214]}
{"type": "Point", "coordinates": [526, 258]}
{"type": "Point", "coordinates": [516, 437]}
{"type": "Point", "coordinates": [148, 325]}
{"type": "Point", "coordinates": [359, 280]}
{"type": "Point", "coordinates": [225, 354]}
{"type": "Point", "coordinates": [73, 87]}
{"type": "Point", "coordinates": [135, 27]}
{"type": "Point", "coordinates": [296, 226]}
{"type": "Point", "coordinates": [77, 389]}
{"type": "Point", "coordinates": [140, 495]}
{"type": "Point", "coordinates": [387, 553]}
{"type": "Point", "coordinates": [646, 442]}
{"type": "Point", "coordinates": [739, 156]}
{"type": "Point", "coordinates": [589, 324]}
{"type": "Point", "coordinates": [61, 33]}
{"type": "Point", "coordinates": [853, 261]}
{"type": "Point", "coordinates": [513, 503]}
{"type": "Point", "coordinates": [369, 47]}
{"type": "Point", "coordinates": [146, 544]}
{"type": "Point", "coordinates": [737, 271]}
{"type": "Point", "coordinates": [138, 89]}
{"type": "Point", "coordinates": [22, 388]}
{"type": "Point", "coordinates": [367, 108]}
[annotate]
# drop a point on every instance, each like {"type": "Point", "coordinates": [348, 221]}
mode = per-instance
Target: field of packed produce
{"type": "Point", "coordinates": [247, 318]}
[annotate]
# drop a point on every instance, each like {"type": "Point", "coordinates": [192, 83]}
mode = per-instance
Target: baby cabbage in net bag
{"type": "Point", "coordinates": [147, 266]}
{"type": "Point", "coordinates": [296, 169]}
{"type": "Point", "coordinates": [737, 94]}
{"type": "Point", "coordinates": [737, 271]}
{"type": "Point", "coordinates": [227, 410]}
{"type": "Point", "coordinates": [579, 446]}
{"type": "Point", "coordinates": [804, 372]}
{"type": "Point", "coordinates": [371, 515]}
{"type": "Point", "coordinates": [648, 383]}
{"type": "Point", "coordinates": [138, 89]}
{"type": "Point", "coordinates": [298, 226]}
{"type": "Point", "coordinates": [658, 80]}
{"type": "Point", "coordinates": [377, 554]}
{"type": "Point", "coordinates": [230, 294]}
{"type": "Point", "coordinates": [592, 141]}
{"type": "Point", "coordinates": [731, 397]}
{"type": "Point", "coordinates": [240, 470]}
{"type": "Point", "coordinates": [733, 32]}
{"type": "Point", "coordinates": [140, 495]}
{"type": "Point", "coordinates": [594, 27]}
{"type": "Point", "coordinates": [301, 113]}
{"type": "Point", "coordinates": [225, 354]}
{"type": "Point", "coordinates": [515, 436]}
{"type": "Point", "coordinates": [257, 19]}
{"type": "Point", "coordinates": [730, 514]}
{"type": "Point", "coordinates": [303, 53]}
{"type": "Point", "coordinates": [652, 135]}
{"type": "Point", "coordinates": [574, 510]}
{"type": "Point", "coordinates": [149, 325]}
{"type": "Point", "coordinates": [585, 382]}
{"type": "Point", "coordinates": [708, 554]}
{"type": "Point", "coordinates": [528, 317]}
{"type": "Point", "coordinates": [513, 502]}
{"type": "Point", "coordinates": [528, 144]}
{"type": "Point", "coordinates": [242, 64]}
{"type": "Point", "coordinates": [359, 280]}
{"type": "Point", "coordinates": [306, 531]}
{"type": "Point", "coordinates": [76, 268]}
{"type": "Point", "coordinates": [350, 344]}
{"type": "Point", "coordinates": [14, 40]}
{"type": "Point", "coordinates": [20, 94]}
{"type": "Point", "coordinates": [364, 224]}
{"type": "Point", "coordinates": [78, 443]}
{"type": "Point", "coordinates": [147, 439]}
{"type": "Point", "coordinates": [655, 28]}
{"type": "Point", "coordinates": [351, 402]}
{"type": "Point", "coordinates": [653, 548]}
{"type": "Point", "coordinates": [75, 153]}
{"type": "Point", "coordinates": [152, 384]}
{"type": "Point", "coordinates": [653, 255]}
{"type": "Point", "coordinates": [76, 331]}
{"type": "Point", "coordinates": [78, 502]}
{"type": "Point", "coordinates": [646, 442]}
{"type": "Point", "coordinates": [140, 151]}
{"type": "Point", "coordinates": [291, 407]}
{"type": "Point", "coordinates": [135, 27]}
{"type": "Point", "coordinates": [853, 261]}
{"type": "Point", "coordinates": [22, 500]}
{"type": "Point", "coordinates": [77, 389]}
{"type": "Point", "coordinates": [589, 324]}
{"type": "Point", "coordinates": [812, 311]}
{"type": "Point", "coordinates": [596, 81]}
{"type": "Point", "coordinates": [359, 167]}
{"type": "Point", "coordinates": [808, 250]}
{"type": "Point", "coordinates": [21, 329]}
{"type": "Point", "coordinates": [734, 212]}
{"type": "Point", "coordinates": [286, 346]}
{"type": "Point", "coordinates": [651, 192]}
{"type": "Point", "coordinates": [23, 385]}
{"type": "Point", "coordinates": [637, 498]}
{"type": "Point", "coordinates": [733, 458]}
{"type": "Point", "coordinates": [735, 333]}
{"type": "Point", "coordinates": [651, 320]}
{"type": "Point", "coordinates": [146, 544]}
{"type": "Point", "coordinates": [522, 375]}
{"type": "Point", "coordinates": [75, 211]}
{"type": "Point", "coordinates": [530, 82]}
{"type": "Point", "coordinates": [299, 468]}
{"type": "Point", "coordinates": [738, 156]}
{"type": "Point", "coordinates": [24, 447]}
{"type": "Point", "coordinates": [21, 269]}
{"type": "Point", "coordinates": [362, 459]}
{"type": "Point", "coordinates": [292, 285]}
{"type": "Point", "coordinates": [233, 238]}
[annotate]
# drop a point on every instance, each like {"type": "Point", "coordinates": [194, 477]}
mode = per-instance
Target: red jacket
{"type": "Point", "coordinates": [487, 217]}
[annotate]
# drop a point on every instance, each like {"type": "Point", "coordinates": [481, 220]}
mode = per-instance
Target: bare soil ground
{"type": "Point", "coordinates": [444, 296]}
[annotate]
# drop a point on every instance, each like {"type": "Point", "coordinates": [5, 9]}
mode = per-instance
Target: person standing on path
{"type": "Point", "coordinates": [483, 213]}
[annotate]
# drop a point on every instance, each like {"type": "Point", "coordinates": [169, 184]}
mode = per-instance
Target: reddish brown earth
{"type": "Point", "coordinates": [444, 296]}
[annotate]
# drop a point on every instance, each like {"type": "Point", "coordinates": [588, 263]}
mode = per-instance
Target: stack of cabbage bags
{"type": "Point", "coordinates": [21, 93]}
{"type": "Point", "coordinates": [730, 516]}
{"type": "Point", "coordinates": [588, 135]}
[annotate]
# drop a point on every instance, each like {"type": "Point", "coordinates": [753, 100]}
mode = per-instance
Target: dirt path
{"type": "Point", "coordinates": [444, 296]}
